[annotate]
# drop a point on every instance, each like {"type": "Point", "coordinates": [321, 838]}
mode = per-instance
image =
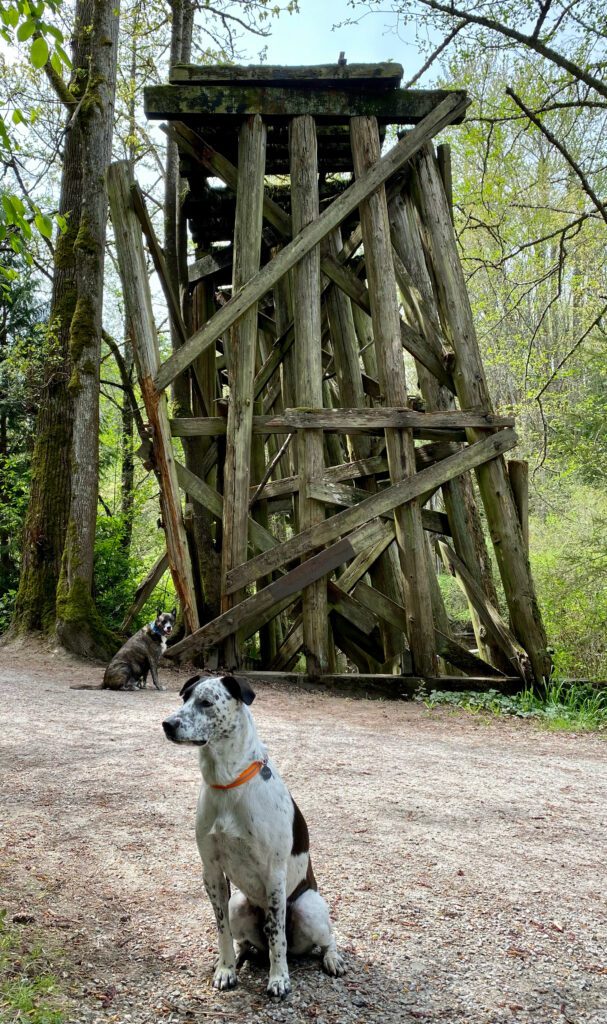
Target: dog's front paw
{"type": "Point", "coordinates": [333, 964]}
{"type": "Point", "coordinates": [279, 986]}
{"type": "Point", "coordinates": [224, 977]}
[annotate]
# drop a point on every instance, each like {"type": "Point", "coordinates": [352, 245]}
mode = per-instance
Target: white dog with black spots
{"type": "Point", "coordinates": [250, 833]}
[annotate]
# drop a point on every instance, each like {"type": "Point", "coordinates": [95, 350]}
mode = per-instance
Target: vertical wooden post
{"type": "Point", "coordinates": [308, 362]}
{"type": "Point", "coordinates": [242, 345]}
{"type": "Point", "coordinates": [399, 444]}
{"type": "Point", "coordinates": [346, 353]}
{"type": "Point", "coordinates": [138, 305]}
{"type": "Point", "coordinates": [518, 472]}
{"type": "Point", "coordinates": [464, 520]}
{"type": "Point", "coordinates": [473, 393]}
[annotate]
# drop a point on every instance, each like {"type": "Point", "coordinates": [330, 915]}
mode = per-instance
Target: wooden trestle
{"type": "Point", "coordinates": [305, 309]}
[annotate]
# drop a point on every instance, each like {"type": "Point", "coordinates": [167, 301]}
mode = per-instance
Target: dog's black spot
{"type": "Point", "coordinates": [239, 688]}
{"type": "Point", "coordinates": [188, 686]}
{"type": "Point", "coordinates": [301, 837]}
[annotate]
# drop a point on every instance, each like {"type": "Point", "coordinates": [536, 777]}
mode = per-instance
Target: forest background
{"type": "Point", "coordinates": [529, 167]}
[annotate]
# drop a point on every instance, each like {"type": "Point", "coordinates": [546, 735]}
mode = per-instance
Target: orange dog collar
{"type": "Point", "coordinates": [245, 776]}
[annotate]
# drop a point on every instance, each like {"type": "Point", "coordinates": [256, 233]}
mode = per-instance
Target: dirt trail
{"type": "Point", "coordinates": [463, 860]}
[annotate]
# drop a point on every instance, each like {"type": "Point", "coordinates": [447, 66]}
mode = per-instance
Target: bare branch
{"type": "Point", "coordinates": [588, 189]}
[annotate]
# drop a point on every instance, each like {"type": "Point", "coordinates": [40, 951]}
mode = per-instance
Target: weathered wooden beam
{"type": "Point", "coordinates": [489, 615]}
{"type": "Point", "coordinates": [333, 105]}
{"type": "Point", "coordinates": [209, 264]}
{"type": "Point", "coordinates": [308, 372]}
{"type": "Point", "coordinates": [473, 392]}
{"type": "Point", "coordinates": [146, 588]}
{"type": "Point", "coordinates": [370, 76]}
{"type": "Point", "coordinates": [260, 539]}
{"type": "Point", "coordinates": [138, 305]}
{"type": "Point", "coordinates": [250, 612]}
{"type": "Point", "coordinates": [399, 443]}
{"type": "Point", "coordinates": [518, 474]}
{"type": "Point", "coordinates": [449, 425]}
{"type": "Point", "coordinates": [242, 347]}
{"type": "Point", "coordinates": [389, 498]}
{"type": "Point", "coordinates": [400, 417]}
{"type": "Point", "coordinates": [342, 494]}
{"type": "Point", "coordinates": [402, 686]}
{"type": "Point", "coordinates": [305, 241]}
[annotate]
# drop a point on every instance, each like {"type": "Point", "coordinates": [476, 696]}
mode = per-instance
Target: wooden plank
{"type": "Point", "coordinates": [402, 686]}
{"type": "Point", "coordinates": [249, 612]}
{"type": "Point", "coordinates": [242, 347]}
{"type": "Point", "coordinates": [332, 105]}
{"type": "Point", "coordinates": [209, 264]}
{"type": "Point", "coordinates": [400, 417]}
{"type": "Point", "coordinates": [375, 505]}
{"type": "Point", "coordinates": [376, 76]}
{"type": "Point", "coordinates": [341, 494]}
{"type": "Point", "coordinates": [146, 588]}
{"type": "Point", "coordinates": [391, 375]}
{"type": "Point", "coordinates": [138, 306]}
{"type": "Point", "coordinates": [329, 420]}
{"type": "Point", "coordinates": [518, 474]}
{"type": "Point", "coordinates": [158, 260]}
{"type": "Point", "coordinates": [473, 392]}
{"type": "Point", "coordinates": [339, 209]}
{"type": "Point", "coordinates": [259, 538]}
{"type": "Point", "coordinates": [489, 615]}
{"type": "Point", "coordinates": [308, 373]}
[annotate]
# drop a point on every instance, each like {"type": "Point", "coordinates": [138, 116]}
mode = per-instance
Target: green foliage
{"type": "Point", "coordinates": [569, 561]}
{"type": "Point", "coordinates": [22, 348]}
{"type": "Point", "coordinates": [21, 218]}
{"type": "Point", "coordinates": [567, 707]}
{"type": "Point", "coordinates": [29, 988]}
{"type": "Point", "coordinates": [118, 571]}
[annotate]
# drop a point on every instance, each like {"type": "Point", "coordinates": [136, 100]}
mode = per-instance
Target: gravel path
{"type": "Point", "coordinates": [463, 859]}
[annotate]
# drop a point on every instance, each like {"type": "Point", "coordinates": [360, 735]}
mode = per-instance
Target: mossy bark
{"type": "Point", "coordinates": [78, 625]}
{"type": "Point", "coordinates": [48, 508]}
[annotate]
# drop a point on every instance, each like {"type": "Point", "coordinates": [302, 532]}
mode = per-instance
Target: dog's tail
{"type": "Point", "coordinates": [88, 686]}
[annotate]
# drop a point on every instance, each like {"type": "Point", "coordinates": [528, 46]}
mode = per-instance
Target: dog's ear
{"type": "Point", "coordinates": [239, 688]}
{"type": "Point", "coordinates": [188, 686]}
{"type": "Point", "coordinates": [158, 612]}
{"type": "Point", "coordinates": [174, 613]}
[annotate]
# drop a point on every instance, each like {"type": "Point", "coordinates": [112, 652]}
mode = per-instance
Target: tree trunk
{"type": "Point", "coordinates": [78, 624]}
{"type": "Point", "coordinates": [49, 501]}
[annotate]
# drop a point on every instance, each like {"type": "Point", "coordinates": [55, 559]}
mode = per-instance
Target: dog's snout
{"type": "Point", "coordinates": [170, 728]}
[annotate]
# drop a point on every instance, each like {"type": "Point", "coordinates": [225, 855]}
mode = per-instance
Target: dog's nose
{"type": "Point", "coordinates": [170, 728]}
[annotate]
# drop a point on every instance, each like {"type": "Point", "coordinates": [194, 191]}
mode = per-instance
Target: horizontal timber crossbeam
{"type": "Point", "coordinates": [347, 421]}
{"type": "Point", "coordinates": [337, 106]}
{"type": "Point", "coordinates": [447, 111]}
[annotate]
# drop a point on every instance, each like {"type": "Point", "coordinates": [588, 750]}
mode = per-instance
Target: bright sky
{"type": "Point", "coordinates": [308, 38]}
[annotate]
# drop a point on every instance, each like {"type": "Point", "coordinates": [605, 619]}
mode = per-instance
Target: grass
{"type": "Point", "coordinates": [565, 706]}
{"type": "Point", "coordinates": [29, 990]}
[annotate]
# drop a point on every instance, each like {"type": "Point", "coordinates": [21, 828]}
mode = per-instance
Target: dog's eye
{"type": "Point", "coordinates": [205, 704]}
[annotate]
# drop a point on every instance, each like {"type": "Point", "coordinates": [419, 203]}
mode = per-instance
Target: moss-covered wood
{"type": "Point", "coordinates": [138, 305]}
{"type": "Point", "coordinates": [397, 106]}
{"type": "Point", "coordinates": [369, 76]}
{"type": "Point", "coordinates": [78, 625]}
